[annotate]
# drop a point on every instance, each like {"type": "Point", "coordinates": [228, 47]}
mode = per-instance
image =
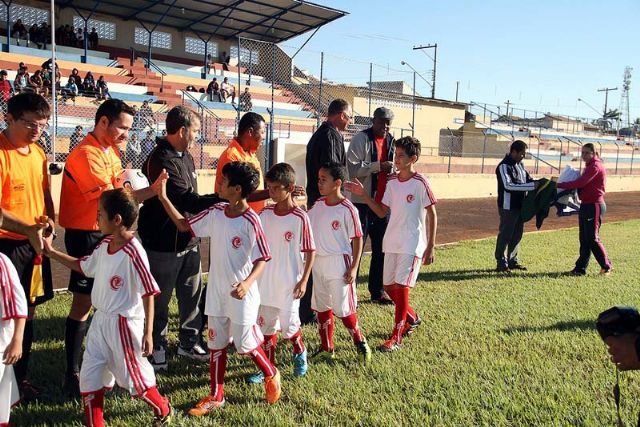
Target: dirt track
{"type": "Point", "coordinates": [460, 220]}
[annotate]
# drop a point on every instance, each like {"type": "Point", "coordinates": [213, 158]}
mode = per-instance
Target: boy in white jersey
{"type": "Point", "coordinates": [338, 237]}
{"type": "Point", "coordinates": [410, 236]}
{"type": "Point", "coordinates": [285, 278]}
{"type": "Point", "coordinates": [13, 312]}
{"type": "Point", "coordinates": [239, 255]}
{"type": "Point", "coordinates": [120, 335]}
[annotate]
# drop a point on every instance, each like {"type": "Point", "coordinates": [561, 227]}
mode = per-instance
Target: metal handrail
{"type": "Point", "coordinates": [199, 104]}
{"type": "Point", "coordinates": [149, 65]}
{"type": "Point", "coordinates": [538, 159]}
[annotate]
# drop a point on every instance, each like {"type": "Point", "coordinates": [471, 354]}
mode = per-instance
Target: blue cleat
{"type": "Point", "coordinates": [257, 378]}
{"type": "Point", "coordinates": [300, 364]}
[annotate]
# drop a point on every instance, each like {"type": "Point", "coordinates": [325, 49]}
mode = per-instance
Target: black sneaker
{"type": "Point", "coordinates": [383, 300]}
{"type": "Point", "coordinates": [411, 327]}
{"type": "Point", "coordinates": [502, 269]}
{"type": "Point", "coordinates": [71, 386]}
{"type": "Point", "coordinates": [577, 272]}
{"type": "Point", "coordinates": [159, 421]}
{"type": "Point", "coordinates": [517, 266]}
{"type": "Point", "coordinates": [196, 353]}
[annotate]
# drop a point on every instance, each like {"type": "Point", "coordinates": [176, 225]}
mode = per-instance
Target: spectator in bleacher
{"type": "Point", "coordinates": [34, 35]}
{"type": "Point", "coordinates": [21, 82]}
{"type": "Point", "coordinates": [19, 31]}
{"type": "Point", "coordinates": [45, 142]}
{"type": "Point", "coordinates": [70, 91]}
{"type": "Point", "coordinates": [213, 90]}
{"type": "Point", "coordinates": [71, 36]}
{"type": "Point", "coordinates": [75, 74]}
{"type": "Point", "coordinates": [47, 77]}
{"type": "Point", "coordinates": [191, 88]}
{"type": "Point", "coordinates": [89, 84]}
{"type": "Point", "coordinates": [224, 60]}
{"type": "Point", "coordinates": [35, 81]}
{"type": "Point", "coordinates": [102, 88]}
{"type": "Point", "coordinates": [201, 90]}
{"type": "Point", "coordinates": [148, 144]}
{"type": "Point", "coordinates": [76, 138]}
{"type": "Point", "coordinates": [227, 90]}
{"type": "Point", "coordinates": [245, 100]}
{"type": "Point", "coordinates": [45, 34]}
{"type": "Point", "coordinates": [174, 256]}
{"type": "Point", "coordinates": [133, 152]}
{"type": "Point", "coordinates": [6, 91]}
{"type": "Point", "coordinates": [93, 39]}
{"type": "Point", "coordinates": [210, 63]}
{"type": "Point", "coordinates": [147, 119]}
{"type": "Point", "coordinates": [80, 38]}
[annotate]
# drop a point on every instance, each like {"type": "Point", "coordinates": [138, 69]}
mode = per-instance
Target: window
{"type": "Point", "coordinates": [196, 46]}
{"type": "Point", "coordinates": [246, 56]}
{"type": "Point", "coordinates": [106, 30]}
{"type": "Point", "coordinates": [158, 38]}
{"type": "Point", "coordinates": [29, 15]}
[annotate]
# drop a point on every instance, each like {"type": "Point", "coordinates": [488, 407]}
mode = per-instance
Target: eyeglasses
{"type": "Point", "coordinates": [35, 126]}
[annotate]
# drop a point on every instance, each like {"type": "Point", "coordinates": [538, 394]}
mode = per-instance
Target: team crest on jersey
{"type": "Point", "coordinates": [212, 334]}
{"type": "Point", "coordinates": [236, 242]}
{"type": "Point", "coordinates": [335, 224]}
{"type": "Point", "coordinates": [288, 236]}
{"type": "Point", "coordinates": [410, 198]}
{"type": "Point", "coordinates": [260, 321]}
{"type": "Point", "coordinates": [116, 282]}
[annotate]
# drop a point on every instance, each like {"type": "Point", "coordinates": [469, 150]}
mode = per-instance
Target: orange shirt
{"type": "Point", "coordinates": [23, 181]}
{"type": "Point", "coordinates": [235, 153]}
{"type": "Point", "coordinates": [93, 169]}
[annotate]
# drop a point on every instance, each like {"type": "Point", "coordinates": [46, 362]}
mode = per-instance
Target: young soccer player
{"type": "Point", "coordinates": [338, 236]}
{"type": "Point", "coordinates": [14, 316]}
{"type": "Point", "coordinates": [120, 335]}
{"type": "Point", "coordinates": [410, 235]}
{"type": "Point", "coordinates": [232, 301]}
{"type": "Point", "coordinates": [284, 281]}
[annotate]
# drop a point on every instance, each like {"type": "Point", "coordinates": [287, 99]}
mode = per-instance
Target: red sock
{"type": "Point", "coordinates": [412, 316]}
{"type": "Point", "coordinates": [93, 403]}
{"type": "Point", "coordinates": [296, 341]}
{"type": "Point", "coordinates": [261, 360]}
{"type": "Point", "coordinates": [400, 297]}
{"type": "Point", "coordinates": [158, 403]}
{"type": "Point", "coordinates": [217, 367]}
{"type": "Point", "coordinates": [269, 346]}
{"type": "Point", "coordinates": [325, 326]}
{"type": "Point", "coordinates": [351, 322]}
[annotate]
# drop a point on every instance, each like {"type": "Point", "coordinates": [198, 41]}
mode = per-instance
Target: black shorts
{"type": "Point", "coordinates": [80, 243]}
{"type": "Point", "coordinates": [22, 256]}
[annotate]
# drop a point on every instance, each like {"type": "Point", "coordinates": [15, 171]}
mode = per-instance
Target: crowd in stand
{"type": "Point", "coordinates": [66, 35]}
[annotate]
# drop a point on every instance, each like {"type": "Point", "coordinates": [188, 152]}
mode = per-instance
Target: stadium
{"type": "Point", "coordinates": [520, 349]}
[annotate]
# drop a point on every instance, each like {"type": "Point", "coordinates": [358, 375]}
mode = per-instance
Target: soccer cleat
{"type": "Point", "coordinates": [196, 353]}
{"type": "Point", "coordinates": [517, 266]}
{"type": "Point", "coordinates": [158, 360]}
{"type": "Point", "coordinates": [364, 352]}
{"type": "Point", "coordinates": [300, 365]}
{"type": "Point", "coordinates": [160, 421]}
{"type": "Point", "coordinates": [389, 346]}
{"type": "Point", "coordinates": [323, 356]}
{"type": "Point", "coordinates": [272, 388]}
{"type": "Point", "coordinates": [502, 269]}
{"type": "Point", "coordinates": [257, 378]}
{"type": "Point", "coordinates": [410, 328]}
{"type": "Point", "coordinates": [206, 406]}
{"type": "Point", "coordinates": [606, 271]}
{"type": "Point", "coordinates": [577, 272]}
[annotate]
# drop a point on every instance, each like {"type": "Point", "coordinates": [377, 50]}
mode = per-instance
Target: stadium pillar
{"type": "Point", "coordinates": [270, 155]}
{"type": "Point", "coordinates": [205, 68]}
{"type": "Point", "coordinates": [320, 91]}
{"type": "Point", "coordinates": [8, 6]}
{"type": "Point", "coordinates": [239, 85]}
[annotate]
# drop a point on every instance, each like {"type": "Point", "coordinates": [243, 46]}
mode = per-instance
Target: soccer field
{"type": "Point", "coordinates": [517, 349]}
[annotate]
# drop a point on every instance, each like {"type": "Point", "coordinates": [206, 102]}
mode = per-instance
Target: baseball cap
{"type": "Point", "coordinates": [383, 113]}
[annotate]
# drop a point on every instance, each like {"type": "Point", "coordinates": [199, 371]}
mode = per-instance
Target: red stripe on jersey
{"type": "Point", "coordinates": [261, 240]}
{"type": "Point", "coordinates": [307, 241]}
{"type": "Point", "coordinates": [424, 182]}
{"type": "Point", "coordinates": [142, 270]}
{"type": "Point", "coordinates": [197, 217]}
{"type": "Point", "coordinates": [392, 177]}
{"type": "Point", "coordinates": [129, 355]}
{"type": "Point", "coordinates": [6, 290]}
{"type": "Point", "coordinates": [354, 217]}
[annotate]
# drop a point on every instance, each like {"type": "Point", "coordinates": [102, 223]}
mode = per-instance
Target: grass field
{"type": "Point", "coordinates": [493, 350]}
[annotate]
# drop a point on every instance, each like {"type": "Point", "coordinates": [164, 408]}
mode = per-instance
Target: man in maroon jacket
{"type": "Point", "coordinates": [590, 187]}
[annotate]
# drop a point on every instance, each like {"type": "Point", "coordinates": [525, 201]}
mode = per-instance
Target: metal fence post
{"type": "Point", "coordinates": [273, 113]}
{"type": "Point", "coordinates": [239, 84]}
{"type": "Point", "coordinates": [633, 150]}
{"type": "Point", "coordinates": [484, 147]}
{"type": "Point", "coordinates": [617, 156]}
{"type": "Point", "coordinates": [413, 113]}
{"type": "Point", "coordinates": [560, 161]}
{"type": "Point", "coordinates": [370, 85]}
{"type": "Point", "coordinates": [450, 148]}
{"type": "Point", "coordinates": [319, 108]}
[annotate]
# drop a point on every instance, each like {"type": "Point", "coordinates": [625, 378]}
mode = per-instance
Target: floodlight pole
{"type": "Point", "coordinates": [606, 91]}
{"type": "Point", "coordinates": [8, 6]}
{"type": "Point", "coordinates": [435, 55]}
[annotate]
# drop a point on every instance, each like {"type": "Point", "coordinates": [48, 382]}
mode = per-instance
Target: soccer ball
{"type": "Point", "coordinates": [132, 179]}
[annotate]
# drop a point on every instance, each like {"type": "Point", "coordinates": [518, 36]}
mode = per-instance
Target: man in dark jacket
{"type": "Point", "coordinates": [513, 184]}
{"type": "Point", "coordinates": [174, 257]}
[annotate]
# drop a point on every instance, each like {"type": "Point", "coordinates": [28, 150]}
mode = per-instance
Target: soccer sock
{"type": "Point", "coordinates": [400, 297]}
{"type": "Point", "coordinates": [20, 367]}
{"type": "Point", "coordinates": [325, 327]}
{"type": "Point", "coordinates": [74, 333]}
{"type": "Point", "coordinates": [93, 408]}
{"type": "Point", "coordinates": [351, 323]}
{"type": "Point", "coordinates": [158, 403]}
{"type": "Point", "coordinates": [217, 367]}
{"type": "Point", "coordinates": [296, 341]}
{"type": "Point", "coordinates": [262, 361]}
{"type": "Point", "coordinates": [269, 346]}
{"type": "Point", "coordinates": [412, 316]}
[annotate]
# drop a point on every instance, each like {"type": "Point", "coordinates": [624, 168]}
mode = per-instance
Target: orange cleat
{"type": "Point", "coordinates": [206, 406]}
{"type": "Point", "coordinates": [272, 388]}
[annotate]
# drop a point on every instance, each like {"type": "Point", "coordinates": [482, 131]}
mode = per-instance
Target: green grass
{"type": "Point", "coordinates": [493, 350]}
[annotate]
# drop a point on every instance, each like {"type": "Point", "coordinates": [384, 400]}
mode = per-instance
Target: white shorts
{"type": "Point", "coordinates": [246, 338]}
{"type": "Point", "coordinates": [273, 319]}
{"type": "Point", "coordinates": [9, 394]}
{"type": "Point", "coordinates": [329, 290]}
{"type": "Point", "coordinates": [114, 354]}
{"type": "Point", "coordinates": [401, 269]}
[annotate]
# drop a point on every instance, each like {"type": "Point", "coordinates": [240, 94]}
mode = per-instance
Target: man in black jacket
{"type": "Point", "coordinates": [174, 257]}
{"type": "Point", "coordinates": [513, 184]}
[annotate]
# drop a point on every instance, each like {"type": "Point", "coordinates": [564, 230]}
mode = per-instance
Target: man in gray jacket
{"type": "Point", "coordinates": [370, 160]}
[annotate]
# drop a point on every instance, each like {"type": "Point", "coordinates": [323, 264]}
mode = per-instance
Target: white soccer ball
{"type": "Point", "coordinates": [132, 179]}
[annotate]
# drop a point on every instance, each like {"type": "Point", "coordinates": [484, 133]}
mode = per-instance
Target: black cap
{"type": "Point", "coordinates": [383, 113]}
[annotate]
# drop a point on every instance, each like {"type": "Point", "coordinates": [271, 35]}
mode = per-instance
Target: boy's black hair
{"type": "Point", "coordinates": [28, 103]}
{"type": "Point", "coordinates": [518, 146]}
{"type": "Point", "coordinates": [120, 201]}
{"type": "Point", "coordinates": [336, 170]}
{"type": "Point", "coordinates": [410, 145]}
{"type": "Point", "coordinates": [243, 174]}
{"type": "Point", "coordinates": [112, 108]}
{"type": "Point", "coordinates": [281, 173]}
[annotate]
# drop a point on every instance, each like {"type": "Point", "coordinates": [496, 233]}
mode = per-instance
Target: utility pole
{"type": "Point", "coordinates": [508, 103]}
{"type": "Point", "coordinates": [435, 55]}
{"type": "Point", "coordinates": [606, 91]}
{"type": "Point", "coordinates": [457, 87]}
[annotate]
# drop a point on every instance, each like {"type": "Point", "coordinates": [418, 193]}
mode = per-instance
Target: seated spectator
{"type": "Point", "coordinates": [244, 101]}
{"type": "Point", "coordinates": [133, 153]}
{"type": "Point", "coordinates": [201, 90]}
{"type": "Point", "coordinates": [148, 144]}
{"type": "Point", "coordinates": [227, 90]}
{"type": "Point", "coordinates": [45, 34]}
{"type": "Point", "coordinates": [80, 38]}
{"type": "Point", "coordinates": [213, 90]}
{"type": "Point", "coordinates": [224, 60]}
{"type": "Point", "coordinates": [76, 138]}
{"type": "Point", "coordinates": [191, 88]}
{"type": "Point", "coordinates": [71, 36]}
{"type": "Point", "coordinates": [75, 74]}
{"type": "Point", "coordinates": [89, 84]}
{"type": "Point", "coordinates": [21, 82]}
{"type": "Point", "coordinates": [19, 31]}
{"type": "Point", "coordinates": [147, 119]}
{"type": "Point", "coordinates": [103, 89]}
{"type": "Point", "coordinates": [70, 91]}
{"type": "Point", "coordinates": [6, 91]}
{"type": "Point", "coordinates": [35, 81]}
{"type": "Point", "coordinates": [34, 35]}
{"type": "Point", "coordinates": [47, 77]}
{"type": "Point", "coordinates": [93, 39]}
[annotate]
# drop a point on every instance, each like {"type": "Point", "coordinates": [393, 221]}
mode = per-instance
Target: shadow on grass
{"type": "Point", "coordinates": [574, 325]}
{"type": "Point", "coordinates": [461, 275]}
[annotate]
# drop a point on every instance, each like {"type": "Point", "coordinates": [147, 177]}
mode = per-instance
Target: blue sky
{"type": "Point", "coordinates": [540, 55]}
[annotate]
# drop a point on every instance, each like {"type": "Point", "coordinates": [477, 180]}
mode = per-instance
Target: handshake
{"type": "Point", "coordinates": [619, 328]}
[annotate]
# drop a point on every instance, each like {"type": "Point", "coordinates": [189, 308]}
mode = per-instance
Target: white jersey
{"type": "Point", "coordinates": [407, 228]}
{"type": "Point", "coordinates": [334, 226]}
{"type": "Point", "coordinates": [121, 278]}
{"type": "Point", "coordinates": [288, 235]}
{"type": "Point", "coordinates": [14, 302]}
{"type": "Point", "coordinates": [237, 243]}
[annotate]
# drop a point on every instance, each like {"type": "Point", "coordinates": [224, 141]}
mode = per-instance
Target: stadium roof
{"type": "Point", "coordinates": [265, 20]}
